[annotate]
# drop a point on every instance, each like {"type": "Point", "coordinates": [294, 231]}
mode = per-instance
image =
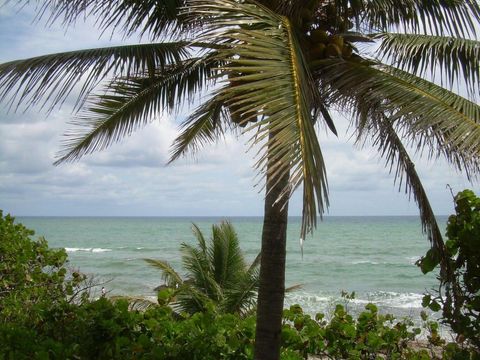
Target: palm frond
{"type": "Point", "coordinates": [169, 275]}
{"type": "Point", "coordinates": [131, 103]}
{"type": "Point", "coordinates": [293, 288]}
{"type": "Point", "coordinates": [225, 255]}
{"type": "Point", "coordinates": [198, 267]}
{"type": "Point", "coordinates": [435, 119]}
{"type": "Point", "coordinates": [204, 126]}
{"type": "Point", "coordinates": [200, 238]}
{"type": "Point", "coordinates": [135, 303]}
{"type": "Point", "coordinates": [272, 81]}
{"type": "Point", "coordinates": [396, 156]}
{"type": "Point", "coordinates": [147, 17]}
{"type": "Point", "coordinates": [241, 298]}
{"type": "Point", "coordinates": [458, 18]}
{"type": "Point", "coordinates": [380, 131]}
{"type": "Point", "coordinates": [191, 300]}
{"type": "Point", "coordinates": [455, 59]}
{"type": "Point", "coordinates": [51, 78]}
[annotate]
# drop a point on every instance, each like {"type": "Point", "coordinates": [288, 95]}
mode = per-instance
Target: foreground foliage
{"type": "Point", "coordinates": [33, 277]}
{"type": "Point", "coordinates": [459, 296]}
{"type": "Point", "coordinates": [105, 330]}
{"type": "Point", "coordinates": [41, 318]}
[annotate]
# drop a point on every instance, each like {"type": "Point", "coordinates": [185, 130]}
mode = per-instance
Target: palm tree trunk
{"type": "Point", "coordinates": [272, 273]}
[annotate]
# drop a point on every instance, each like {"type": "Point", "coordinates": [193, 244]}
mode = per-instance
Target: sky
{"type": "Point", "coordinates": [131, 178]}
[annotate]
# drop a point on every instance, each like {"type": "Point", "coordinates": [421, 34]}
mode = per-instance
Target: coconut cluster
{"type": "Point", "coordinates": [323, 45]}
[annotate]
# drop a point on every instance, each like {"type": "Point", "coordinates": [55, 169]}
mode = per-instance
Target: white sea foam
{"type": "Point", "coordinates": [402, 300]}
{"type": "Point", "coordinates": [93, 250]}
{"type": "Point", "coordinates": [369, 262]}
{"type": "Point", "coordinates": [413, 259]}
{"type": "Point", "coordinates": [98, 250]}
{"type": "Point", "coordinates": [67, 249]}
{"type": "Point", "coordinates": [313, 302]}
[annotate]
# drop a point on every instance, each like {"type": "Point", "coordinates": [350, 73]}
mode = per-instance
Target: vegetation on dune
{"type": "Point", "coordinates": [276, 69]}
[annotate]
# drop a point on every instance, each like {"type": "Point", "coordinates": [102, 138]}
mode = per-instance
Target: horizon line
{"type": "Point", "coordinates": [204, 216]}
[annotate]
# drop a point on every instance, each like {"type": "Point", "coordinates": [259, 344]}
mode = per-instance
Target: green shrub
{"type": "Point", "coordinates": [459, 294]}
{"type": "Point", "coordinates": [33, 277]}
{"type": "Point", "coordinates": [369, 336]}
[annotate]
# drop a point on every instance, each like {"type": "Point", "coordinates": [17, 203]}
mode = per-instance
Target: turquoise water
{"type": "Point", "coordinates": [373, 256]}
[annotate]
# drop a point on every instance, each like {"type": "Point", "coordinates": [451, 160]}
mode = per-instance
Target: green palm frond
{"type": "Point", "coordinates": [204, 126]}
{"type": "Point", "coordinates": [131, 103]}
{"type": "Point", "coordinates": [149, 17]}
{"type": "Point", "coordinates": [198, 267]}
{"type": "Point", "coordinates": [457, 59]}
{"type": "Point", "coordinates": [268, 79]}
{"type": "Point", "coordinates": [135, 303]}
{"type": "Point", "coordinates": [225, 255]}
{"type": "Point", "coordinates": [241, 298]}
{"type": "Point", "coordinates": [200, 238]}
{"type": "Point", "coordinates": [380, 131]}
{"type": "Point", "coordinates": [216, 273]}
{"type": "Point", "coordinates": [51, 78]}
{"type": "Point", "coordinates": [192, 300]}
{"type": "Point", "coordinates": [169, 275]}
{"type": "Point", "coordinates": [435, 119]}
{"type": "Point", "coordinates": [438, 17]}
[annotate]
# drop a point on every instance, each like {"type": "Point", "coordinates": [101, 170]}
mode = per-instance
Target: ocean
{"type": "Point", "coordinates": [372, 256]}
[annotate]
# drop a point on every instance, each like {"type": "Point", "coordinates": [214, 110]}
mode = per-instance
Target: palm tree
{"type": "Point", "coordinates": [216, 273]}
{"type": "Point", "coordinates": [276, 69]}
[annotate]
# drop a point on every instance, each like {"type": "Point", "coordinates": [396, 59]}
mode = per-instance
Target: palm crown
{"type": "Point", "coordinates": [217, 273]}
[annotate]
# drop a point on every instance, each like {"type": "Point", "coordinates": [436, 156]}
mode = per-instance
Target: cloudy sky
{"type": "Point", "coordinates": [131, 178]}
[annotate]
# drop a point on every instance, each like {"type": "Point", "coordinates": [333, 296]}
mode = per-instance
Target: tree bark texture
{"type": "Point", "coordinates": [271, 291]}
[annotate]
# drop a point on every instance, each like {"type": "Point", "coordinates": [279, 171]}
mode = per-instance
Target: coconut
{"type": "Point", "coordinates": [319, 36]}
{"type": "Point", "coordinates": [333, 50]}
{"type": "Point", "coordinates": [347, 51]}
{"type": "Point", "coordinates": [337, 40]}
{"type": "Point", "coordinates": [318, 51]}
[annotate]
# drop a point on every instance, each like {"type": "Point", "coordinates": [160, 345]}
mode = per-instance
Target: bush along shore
{"type": "Point", "coordinates": [46, 311]}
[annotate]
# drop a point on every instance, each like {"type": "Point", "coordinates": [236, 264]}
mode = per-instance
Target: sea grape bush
{"type": "Point", "coordinates": [369, 336]}
{"type": "Point", "coordinates": [459, 295]}
{"type": "Point", "coordinates": [33, 277]}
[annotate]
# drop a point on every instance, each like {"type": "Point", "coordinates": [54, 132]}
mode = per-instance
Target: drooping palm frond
{"type": "Point", "coordinates": [169, 275]}
{"type": "Point", "coordinates": [268, 78]}
{"type": "Point", "coordinates": [204, 126]}
{"type": "Point", "coordinates": [438, 17]}
{"type": "Point", "coordinates": [435, 119]}
{"type": "Point", "coordinates": [456, 59]}
{"type": "Point", "coordinates": [51, 78]}
{"type": "Point", "coordinates": [147, 17]}
{"type": "Point", "coordinates": [132, 102]}
{"type": "Point", "coordinates": [380, 132]}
